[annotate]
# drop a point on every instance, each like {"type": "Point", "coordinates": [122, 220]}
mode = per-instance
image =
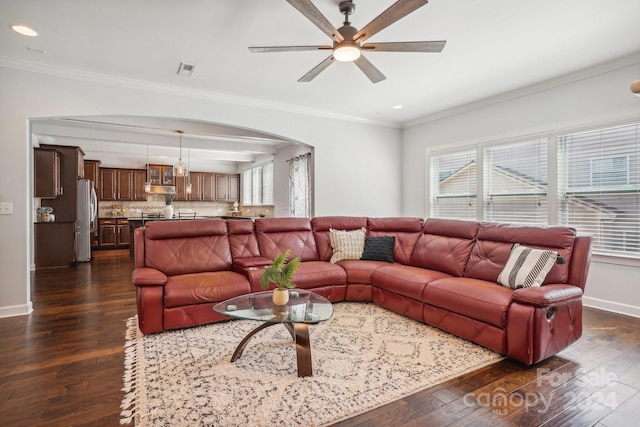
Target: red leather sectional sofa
{"type": "Point", "coordinates": [444, 273]}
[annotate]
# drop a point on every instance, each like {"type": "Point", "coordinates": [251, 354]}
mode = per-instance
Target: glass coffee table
{"type": "Point", "coordinates": [304, 308]}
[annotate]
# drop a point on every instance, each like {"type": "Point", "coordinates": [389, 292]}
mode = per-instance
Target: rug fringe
{"type": "Point", "coordinates": [132, 349]}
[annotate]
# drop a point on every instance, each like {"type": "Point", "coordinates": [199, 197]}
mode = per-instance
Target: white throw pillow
{"type": "Point", "coordinates": [526, 267]}
{"type": "Point", "coordinates": [347, 244]}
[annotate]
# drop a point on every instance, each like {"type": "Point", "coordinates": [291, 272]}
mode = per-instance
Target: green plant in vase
{"type": "Point", "coordinates": [280, 273]}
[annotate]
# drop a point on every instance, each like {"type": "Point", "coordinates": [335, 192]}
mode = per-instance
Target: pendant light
{"type": "Point", "coordinates": [180, 169]}
{"type": "Point", "coordinates": [188, 190]}
{"type": "Point", "coordinates": [147, 183]}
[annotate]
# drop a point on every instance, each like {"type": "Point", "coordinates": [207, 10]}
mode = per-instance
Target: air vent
{"type": "Point", "coordinates": [186, 69]}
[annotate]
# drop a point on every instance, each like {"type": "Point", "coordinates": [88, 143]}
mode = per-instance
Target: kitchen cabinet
{"type": "Point", "coordinates": [113, 233]}
{"type": "Point", "coordinates": [55, 244]}
{"type": "Point", "coordinates": [122, 184]}
{"type": "Point", "coordinates": [208, 186]}
{"type": "Point", "coordinates": [47, 182]}
{"type": "Point", "coordinates": [107, 184]}
{"type": "Point", "coordinates": [92, 173]}
{"type": "Point", "coordinates": [161, 175]}
{"type": "Point", "coordinates": [227, 188]}
{"type": "Point", "coordinates": [65, 206]}
{"type": "Point", "coordinates": [138, 178]}
{"type": "Point", "coordinates": [196, 187]}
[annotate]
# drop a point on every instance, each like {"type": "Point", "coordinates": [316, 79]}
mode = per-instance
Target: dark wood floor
{"type": "Point", "coordinates": [63, 364]}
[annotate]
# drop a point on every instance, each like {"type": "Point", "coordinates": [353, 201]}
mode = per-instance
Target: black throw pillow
{"type": "Point", "coordinates": [379, 248]}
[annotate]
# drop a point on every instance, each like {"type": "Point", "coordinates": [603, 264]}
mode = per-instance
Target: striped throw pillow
{"type": "Point", "coordinates": [346, 244]}
{"type": "Point", "coordinates": [526, 267]}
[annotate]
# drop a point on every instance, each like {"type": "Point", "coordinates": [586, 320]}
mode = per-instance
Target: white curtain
{"type": "Point", "coordinates": [300, 186]}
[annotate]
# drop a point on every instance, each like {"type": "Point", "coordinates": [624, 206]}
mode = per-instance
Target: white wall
{"type": "Point", "coordinates": [591, 100]}
{"type": "Point", "coordinates": [341, 149]}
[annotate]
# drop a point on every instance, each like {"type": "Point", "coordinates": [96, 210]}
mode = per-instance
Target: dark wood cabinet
{"type": "Point", "coordinates": [195, 178]}
{"type": "Point", "coordinates": [46, 165]}
{"type": "Point", "coordinates": [208, 186]}
{"type": "Point", "coordinates": [65, 206]}
{"type": "Point", "coordinates": [92, 173]}
{"type": "Point", "coordinates": [107, 184]}
{"type": "Point", "coordinates": [122, 184]}
{"type": "Point", "coordinates": [138, 178]}
{"type": "Point", "coordinates": [55, 244]}
{"type": "Point", "coordinates": [161, 175]}
{"type": "Point", "coordinates": [227, 188]}
{"type": "Point", "coordinates": [113, 233]}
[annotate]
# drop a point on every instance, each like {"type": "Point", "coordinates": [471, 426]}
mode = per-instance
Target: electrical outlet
{"type": "Point", "coordinates": [6, 208]}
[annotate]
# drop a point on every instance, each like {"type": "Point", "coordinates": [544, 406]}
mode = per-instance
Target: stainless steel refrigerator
{"type": "Point", "coordinates": [86, 220]}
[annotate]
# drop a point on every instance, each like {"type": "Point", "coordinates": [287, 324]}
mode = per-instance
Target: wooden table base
{"type": "Point", "coordinates": [300, 334]}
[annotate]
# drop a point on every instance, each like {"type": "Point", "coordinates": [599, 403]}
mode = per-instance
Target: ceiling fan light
{"type": "Point", "coordinates": [346, 53]}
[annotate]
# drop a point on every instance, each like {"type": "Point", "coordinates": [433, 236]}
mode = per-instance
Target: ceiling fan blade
{"type": "Point", "coordinates": [395, 12]}
{"type": "Point", "coordinates": [317, 70]}
{"type": "Point", "coordinates": [258, 49]}
{"type": "Point", "coordinates": [312, 13]}
{"type": "Point", "coordinates": [405, 46]}
{"type": "Point", "coordinates": [369, 69]}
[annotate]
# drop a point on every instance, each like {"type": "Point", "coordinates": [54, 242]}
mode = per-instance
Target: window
{"type": "Point", "coordinates": [257, 187]}
{"type": "Point", "coordinates": [300, 186]}
{"type": "Point", "coordinates": [453, 185]}
{"type": "Point", "coordinates": [609, 171]}
{"type": "Point", "coordinates": [593, 180]}
{"type": "Point", "coordinates": [515, 182]}
{"type": "Point", "coordinates": [599, 187]}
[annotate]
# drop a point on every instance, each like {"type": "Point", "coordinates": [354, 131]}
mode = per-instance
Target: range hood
{"type": "Point", "coordinates": [162, 189]}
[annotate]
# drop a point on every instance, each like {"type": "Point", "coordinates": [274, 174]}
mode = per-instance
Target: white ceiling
{"type": "Point", "coordinates": [493, 47]}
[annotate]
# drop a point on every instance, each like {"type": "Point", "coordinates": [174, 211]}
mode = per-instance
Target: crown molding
{"type": "Point", "coordinates": [615, 64]}
{"type": "Point", "coordinates": [104, 79]}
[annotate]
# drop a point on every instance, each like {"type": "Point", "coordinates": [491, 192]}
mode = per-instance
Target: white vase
{"type": "Point", "coordinates": [168, 211]}
{"type": "Point", "coordinates": [280, 297]}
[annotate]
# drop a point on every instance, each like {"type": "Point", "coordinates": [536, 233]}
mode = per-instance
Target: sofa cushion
{"type": "Point", "coordinates": [276, 235]}
{"type": "Point", "coordinates": [321, 226]}
{"type": "Point", "coordinates": [359, 272]}
{"type": "Point", "coordinates": [526, 267]}
{"type": "Point", "coordinates": [477, 299]}
{"type": "Point", "coordinates": [184, 247]}
{"type": "Point", "coordinates": [404, 279]}
{"type": "Point", "coordinates": [406, 230]}
{"type": "Point", "coordinates": [493, 247]}
{"type": "Point", "coordinates": [314, 274]}
{"type": "Point", "coordinates": [379, 248]}
{"type": "Point", "coordinates": [445, 245]}
{"type": "Point", "coordinates": [199, 288]}
{"type": "Point", "coordinates": [242, 239]}
{"type": "Point", "coordinates": [346, 244]}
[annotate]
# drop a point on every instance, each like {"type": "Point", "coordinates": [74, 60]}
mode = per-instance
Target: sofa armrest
{"type": "Point", "coordinates": [547, 295]}
{"type": "Point", "coordinates": [146, 276]}
{"type": "Point", "coordinates": [257, 261]}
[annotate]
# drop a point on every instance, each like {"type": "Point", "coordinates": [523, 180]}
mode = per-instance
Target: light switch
{"type": "Point", "coordinates": [6, 208]}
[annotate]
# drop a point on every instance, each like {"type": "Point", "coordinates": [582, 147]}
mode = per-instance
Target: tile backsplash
{"type": "Point", "coordinates": [156, 203]}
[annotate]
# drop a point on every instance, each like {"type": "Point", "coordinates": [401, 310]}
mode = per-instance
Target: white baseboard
{"type": "Point", "coordinates": [16, 310]}
{"type": "Point", "coordinates": [616, 307]}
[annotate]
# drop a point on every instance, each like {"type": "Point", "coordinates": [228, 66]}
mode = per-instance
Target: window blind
{"type": "Point", "coordinates": [452, 185]}
{"type": "Point", "coordinates": [515, 182]}
{"type": "Point", "coordinates": [599, 187]}
{"type": "Point", "coordinates": [267, 184]}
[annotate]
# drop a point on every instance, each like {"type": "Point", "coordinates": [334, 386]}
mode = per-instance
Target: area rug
{"type": "Point", "coordinates": [363, 357]}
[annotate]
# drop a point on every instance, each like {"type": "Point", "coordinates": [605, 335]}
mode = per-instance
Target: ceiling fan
{"type": "Point", "coordinates": [348, 41]}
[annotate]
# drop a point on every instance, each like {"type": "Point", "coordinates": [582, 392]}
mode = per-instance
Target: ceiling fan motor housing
{"type": "Point", "coordinates": [347, 7]}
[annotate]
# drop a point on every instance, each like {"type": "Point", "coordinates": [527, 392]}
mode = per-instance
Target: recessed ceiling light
{"type": "Point", "coordinates": [397, 107]}
{"type": "Point", "coordinates": [24, 30]}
